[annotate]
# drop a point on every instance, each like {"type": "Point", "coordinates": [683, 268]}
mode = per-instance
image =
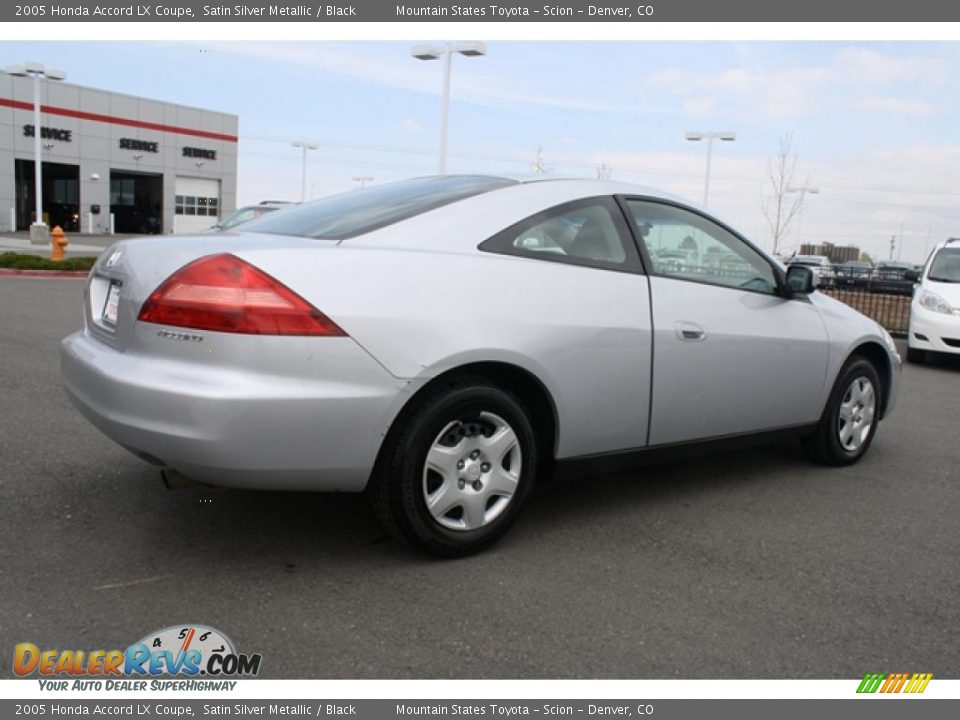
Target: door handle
{"type": "Point", "coordinates": [690, 332]}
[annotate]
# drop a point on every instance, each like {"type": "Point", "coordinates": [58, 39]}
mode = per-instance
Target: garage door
{"type": "Point", "coordinates": [197, 204]}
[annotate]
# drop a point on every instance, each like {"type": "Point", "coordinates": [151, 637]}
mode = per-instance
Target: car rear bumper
{"type": "Point", "coordinates": [933, 331]}
{"type": "Point", "coordinates": [230, 427]}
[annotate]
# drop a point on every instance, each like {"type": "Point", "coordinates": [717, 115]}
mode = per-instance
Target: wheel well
{"type": "Point", "coordinates": [878, 357]}
{"type": "Point", "coordinates": [520, 382]}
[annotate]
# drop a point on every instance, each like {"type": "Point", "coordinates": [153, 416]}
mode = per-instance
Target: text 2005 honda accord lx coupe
{"type": "Point", "coordinates": [441, 342]}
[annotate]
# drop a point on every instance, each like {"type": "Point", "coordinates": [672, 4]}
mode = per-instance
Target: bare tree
{"type": "Point", "coordinates": [538, 166]}
{"type": "Point", "coordinates": [780, 208]}
{"type": "Point", "coordinates": [604, 171]}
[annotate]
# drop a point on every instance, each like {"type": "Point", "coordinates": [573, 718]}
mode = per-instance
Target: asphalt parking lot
{"type": "Point", "coordinates": [754, 564]}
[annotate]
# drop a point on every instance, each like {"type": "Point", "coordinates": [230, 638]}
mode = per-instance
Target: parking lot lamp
{"type": "Point", "coordinates": [39, 232]}
{"type": "Point", "coordinates": [709, 136]}
{"type": "Point", "coordinates": [303, 173]}
{"type": "Point", "coordinates": [446, 51]}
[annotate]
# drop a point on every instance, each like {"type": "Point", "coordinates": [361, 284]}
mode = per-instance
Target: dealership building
{"type": "Point", "coordinates": [138, 165]}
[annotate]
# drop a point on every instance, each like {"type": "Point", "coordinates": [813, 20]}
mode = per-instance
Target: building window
{"type": "Point", "coordinates": [192, 205]}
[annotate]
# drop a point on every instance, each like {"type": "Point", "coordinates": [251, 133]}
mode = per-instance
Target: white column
{"type": "Point", "coordinates": [445, 112]}
{"type": "Point", "coordinates": [37, 151]}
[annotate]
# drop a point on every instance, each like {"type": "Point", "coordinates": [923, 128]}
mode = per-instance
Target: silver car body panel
{"type": "Point", "coordinates": [848, 330]}
{"type": "Point", "coordinates": [417, 299]}
{"type": "Point", "coordinates": [749, 363]}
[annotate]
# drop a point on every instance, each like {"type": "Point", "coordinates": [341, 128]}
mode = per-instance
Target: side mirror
{"type": "Point", "coordinates": [912, 276]}
{"type": "Point", "coordinates": [801, 280]}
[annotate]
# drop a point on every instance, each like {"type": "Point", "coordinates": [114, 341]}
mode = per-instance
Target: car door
{"type": "Point", "coordinates": [731, 355]}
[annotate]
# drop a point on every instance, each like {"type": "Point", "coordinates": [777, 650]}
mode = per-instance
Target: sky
{"type": "Point", "coordinates": [874, 124]}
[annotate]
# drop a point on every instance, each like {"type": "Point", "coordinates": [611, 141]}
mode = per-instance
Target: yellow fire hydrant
{"type": "Point", "coordinates": [58, 241]}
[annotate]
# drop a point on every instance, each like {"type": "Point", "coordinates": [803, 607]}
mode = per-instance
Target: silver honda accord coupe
{"type": "Point", "coordinates": [442, 343]}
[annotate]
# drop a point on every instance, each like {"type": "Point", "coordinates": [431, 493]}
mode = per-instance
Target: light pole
{"type": "Point", "coordinates": [303, 176]}
{"type": "Point", "coordinates": [446, 51]}
{"type": "Point", "coordinates": [803, 190]}
{"type": "Point", "coordinates": [709, 136]}
{"type": "Point", "coordinates": [362, 180]}
{"type": "Point", "coordinates": [39, 232]}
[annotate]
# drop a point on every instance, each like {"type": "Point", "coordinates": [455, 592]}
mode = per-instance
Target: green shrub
{"type": "Point", "coordinates": [19, 261]}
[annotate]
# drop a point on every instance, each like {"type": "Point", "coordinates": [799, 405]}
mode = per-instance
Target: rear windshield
{"type": "Point", "coordinates": [361, 211]}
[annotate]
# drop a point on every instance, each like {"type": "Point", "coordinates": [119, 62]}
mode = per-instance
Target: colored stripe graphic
{"type": "Point", "coordinates": [128, 122]}
{"type": "Point", "coordinates": [923, 679]}
{"type": "Point", "coordinates": [894, 683]}
{"type": "Point", "coordinates": [871, 681]}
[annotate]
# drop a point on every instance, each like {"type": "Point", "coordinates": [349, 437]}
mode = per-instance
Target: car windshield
{"type": "Point", "coordinates": [361, 211]}
{"type": "Point", "coordinates": [945, 266]}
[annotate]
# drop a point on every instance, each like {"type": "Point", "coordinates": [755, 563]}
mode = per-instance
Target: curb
{"type": "Point", "coordinates": [14, 272]}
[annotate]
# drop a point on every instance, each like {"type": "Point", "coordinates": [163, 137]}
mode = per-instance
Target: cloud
{"type": "Point", "coordinates": [895, 106]}
{"type": "Point", "coordinates": [480, 86]}
{"type": "Point", "coordinates": [860, 66]}
{"type": "Point", "coordinates": [699, 105]}
{"type": "Point", "coordinates": [411, 126]}
{"type": "Point", "coordinates": [801, 90]}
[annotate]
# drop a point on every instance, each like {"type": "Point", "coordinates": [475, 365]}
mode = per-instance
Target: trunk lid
{"type": "Point", "coordinates": [130, 270]}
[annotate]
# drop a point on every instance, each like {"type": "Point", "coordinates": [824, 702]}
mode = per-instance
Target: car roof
{"type": "Point", "coordinates": [459, 199]}
{"type": "Point", "coordinates": [482, 215]}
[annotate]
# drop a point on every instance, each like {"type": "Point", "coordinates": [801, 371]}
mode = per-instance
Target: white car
{"type": "Point", "coordinates": [935, 310]}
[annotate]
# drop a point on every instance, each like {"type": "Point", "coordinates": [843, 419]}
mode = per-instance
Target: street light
{"type": "Point", "coordinates": [709, 136]}
{"type": "Point", "coordinates": [39, 232]}
{"type": "Point", "coordinates": [803, 190]}
{"type": "Point", "coordinates": [303, 178]}
{"type": "Point", "coordinates": [446, 51]}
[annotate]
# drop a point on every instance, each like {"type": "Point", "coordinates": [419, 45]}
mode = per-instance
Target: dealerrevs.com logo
{"type": "Point", "coordinates": [179, 651]}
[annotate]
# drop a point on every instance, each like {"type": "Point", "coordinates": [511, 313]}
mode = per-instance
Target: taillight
{"type": "Point", "coordinates": [226, 294]}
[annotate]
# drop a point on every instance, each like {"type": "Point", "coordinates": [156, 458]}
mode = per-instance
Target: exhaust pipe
{"type": "Point", "coordinates": [172, 480]}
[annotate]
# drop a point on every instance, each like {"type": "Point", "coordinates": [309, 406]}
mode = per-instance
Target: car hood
{"type": "Point", "coordinates": [834, 311]}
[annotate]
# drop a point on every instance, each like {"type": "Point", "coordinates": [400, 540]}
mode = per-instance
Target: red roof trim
{"type": "Point", "coordinates": [128, 122]}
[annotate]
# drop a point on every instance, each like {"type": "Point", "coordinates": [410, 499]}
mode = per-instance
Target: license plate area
{"type": "Point", "coordinates": [111, 305]}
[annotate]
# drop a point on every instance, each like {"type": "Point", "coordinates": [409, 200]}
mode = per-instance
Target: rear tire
{"type": "Point", "coordinates": [456, 469]}
{"type": "Point", "coordinates": [916, 356]}
{"type": "Point", "coordinates": [849, 420]}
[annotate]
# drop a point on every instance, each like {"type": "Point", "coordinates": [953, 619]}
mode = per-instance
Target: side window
{"type": "Point", "coordinates": [684, 245]}
{"type": "Point", "coordinates": [586, 232]}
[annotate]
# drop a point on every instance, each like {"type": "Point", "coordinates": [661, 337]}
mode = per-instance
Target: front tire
{"type": "Point", "coordinates": [916, 356]}
{"type": "Point", "coordinates": [849, 420]}
{"type": "Point", "coordinates": [455, 471]}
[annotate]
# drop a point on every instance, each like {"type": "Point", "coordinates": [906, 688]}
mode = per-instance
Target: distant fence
{"type": "Point", "coordinates": [890, 309]}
